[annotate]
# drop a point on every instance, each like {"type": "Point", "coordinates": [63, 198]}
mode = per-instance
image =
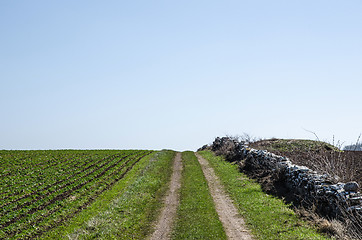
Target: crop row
{"type": "Point", "coordinates": [48, 180]}
{"type": "Point", "coordinates": [26, 216]}
{"type": "Point", "coordinates": [43, 195]}
{"type": "Point", "coordinates": [15, 161]}
{"type": "Point", "coordinates": [49, 189]}
{"type": "Point", "coordinates": [31, 171]}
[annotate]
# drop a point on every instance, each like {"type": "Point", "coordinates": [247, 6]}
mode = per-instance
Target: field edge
{"type": "Point", "coordinates": [102, 203]}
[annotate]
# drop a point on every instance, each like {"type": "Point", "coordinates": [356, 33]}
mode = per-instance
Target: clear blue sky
{"type": "Point", "coordinates": [176, 74]}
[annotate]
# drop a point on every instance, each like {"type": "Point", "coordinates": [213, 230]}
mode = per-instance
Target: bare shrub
{"type": "Point", "coordinates": [322, 157]}
{"type": "Point", "coordinates": [342, 166]}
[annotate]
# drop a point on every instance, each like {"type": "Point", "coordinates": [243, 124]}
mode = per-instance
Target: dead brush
{"type": "Point", "coordinates": [332, 228]}
{"type": "Point", "coordinates": [342, 166]}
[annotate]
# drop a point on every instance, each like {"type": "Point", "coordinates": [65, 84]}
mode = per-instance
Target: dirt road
{"type": "Point", "coordinates": [233, 224]}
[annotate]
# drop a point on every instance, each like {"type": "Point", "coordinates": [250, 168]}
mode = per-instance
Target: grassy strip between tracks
{"type": "Point", "coordinates": [128, 209]}
{"type": "Point", "coordinates": [268, 217]}
{"type": "Point", "coordinates": [196, 215]}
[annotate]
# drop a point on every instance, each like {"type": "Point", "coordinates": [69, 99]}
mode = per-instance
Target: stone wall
{"type": "Point", "coordinates": [332, 199]}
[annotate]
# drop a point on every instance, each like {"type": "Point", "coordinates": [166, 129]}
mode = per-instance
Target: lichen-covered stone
{"type": "Point", "coordinates": [351, 186]}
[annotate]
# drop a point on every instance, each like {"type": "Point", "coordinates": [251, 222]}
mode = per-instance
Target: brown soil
{"type": "Point", "coordinates": [233, 223]}
{"type": "Point", "coordinates": [164, 225]}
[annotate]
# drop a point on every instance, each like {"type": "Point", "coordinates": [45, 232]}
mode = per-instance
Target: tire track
{"type": "Point", "coordinates": [232, 222]}
{"type": "Point", "coordinates": [165, 222]}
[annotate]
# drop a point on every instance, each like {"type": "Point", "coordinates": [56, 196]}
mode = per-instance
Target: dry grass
{"type": "Point", "coordinates": [344, 166]}
{"type": "Point", "coordinates": [331, 227]}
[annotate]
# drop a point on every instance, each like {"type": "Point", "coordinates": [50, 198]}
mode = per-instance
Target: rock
{"type": "Point", "coordinates": [324, 191]}
{"type": "Point", "coordinates": [356, 208]}
{"type": "Point", "coordinates": [303, 169]}
{"type": "Point", "coordinates": [356, 200]}
{"type": "Point", "coordinates": [351, 187]}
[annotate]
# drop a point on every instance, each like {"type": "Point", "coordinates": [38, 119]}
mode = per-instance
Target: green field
{"type": "Point", "coordinates": [117, 194]}
{"type": "Point", "coordinates": [42, 189]}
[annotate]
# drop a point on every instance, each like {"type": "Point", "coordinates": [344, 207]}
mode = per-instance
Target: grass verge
{"type": "Point", "coordinates": [128, 209]}
{"type": "Point", "coordinates": [268, 218]}
{"type": "Point", "coordinates": [196, 215]}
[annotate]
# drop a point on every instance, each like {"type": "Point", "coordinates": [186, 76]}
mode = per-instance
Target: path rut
{"type": "Point", "coordinates": [165, 222]}
{"type": "Point", "coordinates": [232, 222]}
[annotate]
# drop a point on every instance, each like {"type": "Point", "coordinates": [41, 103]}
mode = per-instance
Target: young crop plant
{"type": "Point", "coordinates": [43, 189]}
{"type": "Point", "coordinates": [128, 210]}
